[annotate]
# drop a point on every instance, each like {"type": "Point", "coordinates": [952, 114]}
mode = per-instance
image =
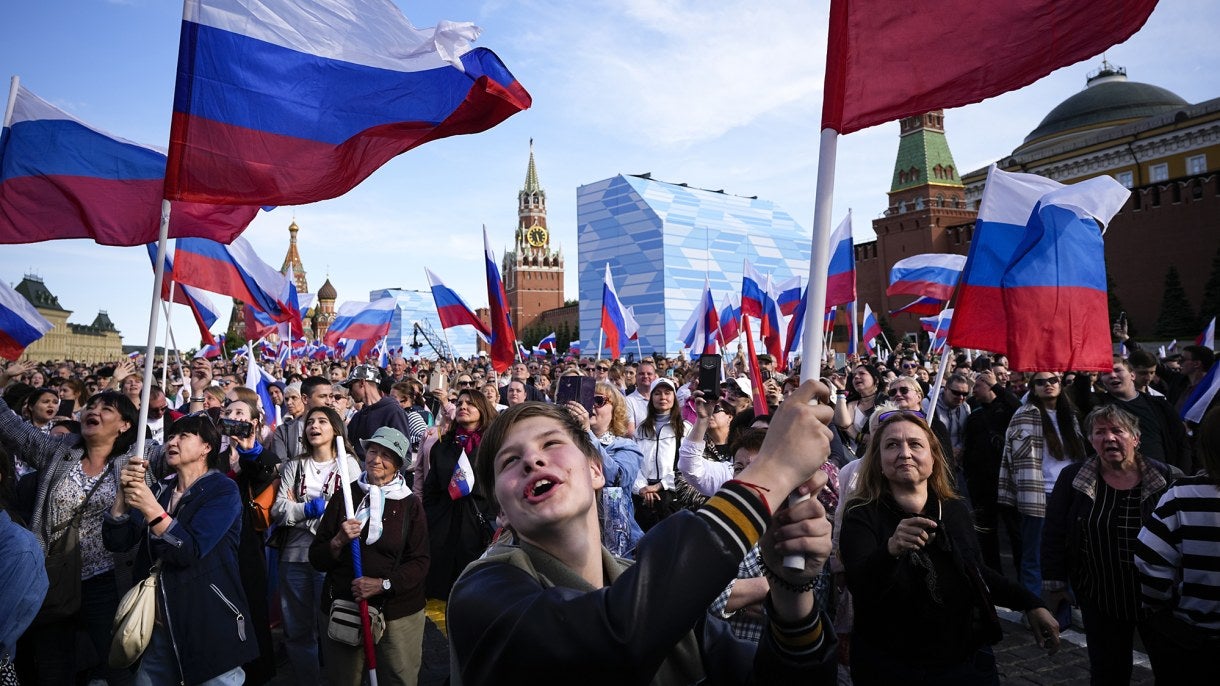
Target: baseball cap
{"type": "Point", "coordinates": [392, 439]}
{"type": "Point", "coordinates": [742, 383]}
{"type": "Point", "coordinates": [364, 372]}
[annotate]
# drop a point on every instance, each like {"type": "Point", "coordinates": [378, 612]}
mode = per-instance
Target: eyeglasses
{"type": "Point", "coordinates": [892, 413]}
{"type": "Point", "coordinates": [224, 382]}
{"type": "Point", "coordinates": [1048, 381]}
{"type": "Point", "coordinates": [720, 409]}
{"type": "Point", "coordinates": [603, 369]}
{"type": "Point", "coordinates": [600, 400]}
{"type": "Point", "coordinates": [157, 411]}
{"type": "Point", "coordinates": [899, 390]}
{"type": "Point", "coordinates": [909, 365]}
{"type": "Point", "coordinates": [464, 384]}
{"type": "Point", "coordinates": [960, 394]}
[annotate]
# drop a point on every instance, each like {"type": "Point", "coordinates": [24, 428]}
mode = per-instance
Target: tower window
{"type": "Point", "coordinates": [1158, 172]}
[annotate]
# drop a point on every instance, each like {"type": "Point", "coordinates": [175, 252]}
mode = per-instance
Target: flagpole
{"type": "Point", "coordinates": [601, 340]}
{"type": "Point", "coordinates": [165, 340]}
{"type": "Point", "coordinates": [153, 317]}
{"type": "Point", "coordinates": [819, 256]}
{"type": "Point", "coordinates": [14, 84]}
{"type": "Point", "coordinates": [854, 335]}
{"type": "Point", "coordinates": [940, 378]}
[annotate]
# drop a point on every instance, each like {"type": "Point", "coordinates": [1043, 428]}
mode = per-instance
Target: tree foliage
{"type": "Point", "coordinates": [1176, 319]}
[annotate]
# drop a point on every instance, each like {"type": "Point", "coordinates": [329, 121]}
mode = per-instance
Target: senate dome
{"type": "Point", "coordinates": [1108, 100]}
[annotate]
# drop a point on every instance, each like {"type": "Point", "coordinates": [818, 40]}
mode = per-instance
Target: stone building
{"type": "Point", "coordinates": [91, 343]}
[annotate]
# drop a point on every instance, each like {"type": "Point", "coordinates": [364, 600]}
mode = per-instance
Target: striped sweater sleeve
{"type": "Point", "coordinates": [738, 516]}
{"type": "Point", "coordinates": [1178, 553]}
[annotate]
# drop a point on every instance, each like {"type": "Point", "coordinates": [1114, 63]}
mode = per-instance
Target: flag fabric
{"type": "Point", "coordinates": [1034, 286]}
{"type": "Point", "coordinates": [753, 291]}
{"type": "Point", "coordinates": [547, 344]}
{"type": "Point", "coordinates": [614, 320]}
{"type": "Point", "coordinates": [62, 178]}
{"type": "Point", "coordinates": [461, 482]}
{"type": "Point", "coordinates": [574, 348]}
{"type": "Point", "coordinates": [502, 336]}
{"type": "Point", "coordinates": [258, 323]}
{"type": "Point", "coordinates": [200, 305]}
{"type": "Point", "coordinates": [870, 326]}
{"type": "Point", "coordinates": [20, 323]}
{"type": "Point", "coordinates": [770, 329]}
{"type": "Point", "coordinates": [828, 319]}
{"type": "Point", "coordinates": [286, 102]}
{"type": "Point", "coordinates": [938, 328]}
{"type": "Point", "coordinates": [921, 305]}
{"type": "Point", "coordinates": [208, 351]}
{"type": "Point", "coordinates": [931, 274]}
{"type": "Point", "coordinates": [1207, 339]}
{"type": "Point", "coordinates": [796, 325]}
{"type": "Point", "coordinates": [841, 274]}
{"type": "Point", "coordinates": [237, 271]}
{"type": "Point", "coordinates": [1201, 398]}
{"type": "Point", "coordinates": [853, 333]}
{"type": "Point", "coordinates": [451, 308]}
{"type": "Point", "coordinates": [260, 381]}
{"type": "Point", "coordinates": [631, 327]}
{"type": "Point", "coordinates": [362, 321]}
{"type": "Point", "coordinates": [757, 396]}
{"type": "Point", "coordinates": [283, 354]}
{"type": "Point", "coordinates": [1172, 347]}
{"type": "Point", "coordinates": [730, 319]}
{"type": "Point", "coordinates": [876, 42]}
{"type": "Point", "coordinates": [788, 294]}
{"type": "Point", "coordinates": [699, 331]}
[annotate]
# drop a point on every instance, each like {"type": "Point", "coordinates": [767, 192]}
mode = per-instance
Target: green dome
{"type": "Point", "coordinates": [1109, 97]}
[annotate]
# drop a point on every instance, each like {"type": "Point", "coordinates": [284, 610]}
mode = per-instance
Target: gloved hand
{"type": "Point", "coordinates": [315, 507]}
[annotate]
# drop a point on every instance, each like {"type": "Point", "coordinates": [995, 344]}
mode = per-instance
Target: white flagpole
{"type": "Point", "coordinates": [153, 317]}
{"type": "Point", "coordinates": [14, 84]}
{"type": "Point", "coordinates": [940, 378]}
{"type": "Point", "coordinates": [601, 339]}
{"type": "Point", "coordinates": [819, 256]}
{"type": "Point", "coordinates": [165, 340]}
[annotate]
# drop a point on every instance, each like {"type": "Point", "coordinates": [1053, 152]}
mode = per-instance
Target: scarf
{"type": "Point", "coordinates": [468, 440]}
{"type": "Point", "coordinates": [372, 508]}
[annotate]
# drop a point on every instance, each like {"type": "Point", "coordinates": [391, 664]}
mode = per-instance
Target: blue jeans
{"type": "Point", "coordinates": [301, 602]}
{"type": "Point", "coordinates": [1031, 554]}
{"type": "Point", "coordinates": [159, 666]}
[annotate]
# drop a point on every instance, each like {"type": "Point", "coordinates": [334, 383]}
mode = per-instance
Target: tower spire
{"type": "Point", "coordinates": [531, 174]}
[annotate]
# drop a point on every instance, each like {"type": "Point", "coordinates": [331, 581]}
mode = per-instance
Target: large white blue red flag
{"type": "Point", "coordinates": [362, 321]}
{"type": "Point", "coordinates": [20, 323]}
{"type": "Point", "coordinates": [788, 294]}
{"type": "Point", "coordinates": [931, 274]}
{"type": "Point", "coordinates": [547, 344]}
{"type": "Point", "coordinates": [62, 178]}
{"type": "Point", "coordinates": [614, 316]}
{"type": "Point", "coordinates": [503, 339]}
{"type": "Point", "coordinates": [754, 294]}
{"type": "Point", "coordinates": [198, 302]}
{"type": "Point", "coordinates": [285, 102]}
{"type": "Point", "coordinates": [237, 271]}
{"type": "Point", "coordinates": [452, 309]}
{"type": "Point", "coordinates": [1038, 258]}
{"type": "Point", "coordinates": [841, 275]}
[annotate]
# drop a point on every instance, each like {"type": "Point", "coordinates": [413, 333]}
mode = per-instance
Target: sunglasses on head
{"type": "Point", "coordinates": [886, 415]}
{"type": "Point", "coordinates": [600, 400]}
{"type": "Point", "coordinates": [1048, 381]}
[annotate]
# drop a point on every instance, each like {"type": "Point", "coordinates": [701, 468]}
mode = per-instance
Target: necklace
{"type": "Point", "coordinates": [319, 466]}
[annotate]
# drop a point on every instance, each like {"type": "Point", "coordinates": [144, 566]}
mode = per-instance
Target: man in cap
{"type": "Point", "coordinates": [377, 410]}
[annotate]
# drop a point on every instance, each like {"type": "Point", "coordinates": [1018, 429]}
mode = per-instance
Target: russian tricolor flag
{"type": "Point", "coordinates": [931, 274]}
{"type": "Point", "coordinates": [1207, 339]}
{"type": "Point", "coordinates": [631, 326]}
{"type": "Point", "coordinates": [452, 309]}
{"type": "Point", "coordinates": [614, 318]}
{"type": "Point", "coordinates": [547, 344]}
{"type": "Point", "coordinates": [1034, 286]}
{"type": "Point", "coordinates": [870, 326]}
{"type": "Point", "coordinates": [197, 301]}
{"type": "Point", "coordinates": [61, 178]}
{"type": "Point", "coordinates": [237, 271]}
{"type": "Point", "coordinates": [796, 325]}
{"type": "Point", "coordinates": [461, 482]}
{"type": "Point", "coordinates": [209, 351]}
{"type": "Point", "coordinates": [921, 305]}
{"type": "Point", "coordinates": [502, 336]}
{"type": "Point", "coordinates": [285, 102]}
{"type": "Point", "coordinates": [730, 319]}
{"type": "Point", "coordinates": [362, 321]}
{"type": "Point", "coordinates": [788, 295]}
{"type": "Point", "coordinates": [699, 332]}
{"type": "Point", "coordinates": [20, 323]}
{"type": "Point", "coordinates": [938, 328]}
{"type": "Point", "coordinates": [841, 275]}
{"type": "Point", "coordinates": [753, 291]}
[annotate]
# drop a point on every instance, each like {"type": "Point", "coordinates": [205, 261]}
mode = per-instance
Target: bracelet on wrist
{"type": "Point", "coordinates": [198, 399]}
{"type": "Point", "coordinates": [157, 520]}
{"type": "Point", "coordinates": [783, 583]}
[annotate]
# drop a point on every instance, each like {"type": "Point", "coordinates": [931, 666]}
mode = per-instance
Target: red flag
{"type": "Point", "coordinates": [887, 60]}
{"type": "Point", "coordinates": [759, 395]}
{"type": "Point", "coordinates": [503, 340]}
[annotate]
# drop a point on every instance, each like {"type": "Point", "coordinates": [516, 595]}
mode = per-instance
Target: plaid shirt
{"type": "Point", "coordinates": [1021, 484]}
{"type": "Point", "coordinates": [747, 626]}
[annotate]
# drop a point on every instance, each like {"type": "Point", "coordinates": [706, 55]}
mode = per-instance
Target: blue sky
{"type": "Point", "coordinates": [722, 94]}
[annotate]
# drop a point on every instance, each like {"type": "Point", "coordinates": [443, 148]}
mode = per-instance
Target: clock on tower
{"type": "Point", "coordinates": [536, 236]}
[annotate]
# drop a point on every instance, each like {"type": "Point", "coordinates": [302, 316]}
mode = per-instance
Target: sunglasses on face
{"type": "Point", "coordinates": [600, 400]}
{"type": "Point", "coordinates": [1048, 381]}
{"type": "Point", "coordinates": [464, 384]}
{"type": "Point", "coordinates": [901, 390]}
{"type": "Point", "coordinates": [960, 394]}
{"type": "Point", "coordinates": [909, 365]}
{"type": "Point", "coordinates": [603, 369]}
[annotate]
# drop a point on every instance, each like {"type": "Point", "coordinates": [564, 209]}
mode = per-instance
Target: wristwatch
{"type": "Point", "coordinates": [385, 585]}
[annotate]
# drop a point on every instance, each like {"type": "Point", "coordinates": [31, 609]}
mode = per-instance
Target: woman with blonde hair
{"type": "Point", "coordinates": [922, 596]}
{"type": "Point", "coordinates": [609, 426]}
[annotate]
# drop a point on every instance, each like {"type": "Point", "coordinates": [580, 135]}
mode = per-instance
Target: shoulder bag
{"type": "Point", "coordinates": [64, 565]}
{"type": "Point", "coordinates": [134, 621]}
{"type": "Point", "coordinates": [344, 624]}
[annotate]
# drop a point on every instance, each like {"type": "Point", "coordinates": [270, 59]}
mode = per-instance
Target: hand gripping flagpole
{"type": "Point", "coordinates": [819, 267]}
{"type": "Point", "coordinates": [366, 629]}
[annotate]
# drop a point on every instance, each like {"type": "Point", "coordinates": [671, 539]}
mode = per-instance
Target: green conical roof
{"type": "Point", "coordinates": [924, 158]}
{"type": "Point", "coordinates": [531, 174]}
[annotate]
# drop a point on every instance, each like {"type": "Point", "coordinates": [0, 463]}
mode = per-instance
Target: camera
{"type": "Point", "coordinates": [234, 428]}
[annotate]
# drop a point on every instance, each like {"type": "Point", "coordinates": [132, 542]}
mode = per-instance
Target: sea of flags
{"type": "Point", "coordinates": [363, 321]}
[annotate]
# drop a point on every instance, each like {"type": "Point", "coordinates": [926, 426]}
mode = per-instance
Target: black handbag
{"type": "Point", "coordinates": [63, 565]}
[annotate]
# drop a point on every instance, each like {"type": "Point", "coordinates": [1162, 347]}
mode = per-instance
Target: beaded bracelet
{"type": "Point", "coordinates": [783, 583]}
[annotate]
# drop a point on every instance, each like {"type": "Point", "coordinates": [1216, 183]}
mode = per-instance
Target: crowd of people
{"type": "Point", "coordinates": [644, 533]}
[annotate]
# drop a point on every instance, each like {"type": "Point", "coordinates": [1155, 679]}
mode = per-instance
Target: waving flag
{"type": "Point", "coordinates": [197, 301]}
{"type": "Point", "coordinates": [871, 328]}
{"type": "Point", "coordinates": [758, 397]}
{"type": "Point", "coordinates": [841, 276]}
{"type": "Point", "coordinates": [788, 295]}
{"type": "Point", "coordinates": [283, 354]}
{"type": "Point", "coordinates": [796, 325]}
{"type": "Point", "coordinates": [931, 274]}
{"type": "Point", "coordinates": [451, 309]}
{"type": "Point", "coordinates": [362, 321]}
{"type": "Point", "coordinates": [1201, 397]}
{"type": "Point", "coordinates": [285, 102]}
{"type": "Point", "coordinates": [770, 329]}
{"type": "Point", "coordinates": [921, 305]}
{"type": "Point", "coordinates": [753, 291]}
{"type": "Point", "coordinates": [547, 344]}
{"type": "Point", "coordinates": [614, 319]}
{"type": "Point", "coordinates": [699, 332]}
{"type": "Point", "coordinates": [730, 319]}
{"type": "Point", "coordinates": [631, 327]}
{"type": "Point", "coordinates": [828, 320]}
{"type": "Point", "coordinates": [938, 328]}
{"type": "Point", "coordinates": [208, 351]}
{"type": "Point", "coordinates": [1037, 257]}
{"type": "Point", "coordinates": [1207, 339]}
{"type": "Point", "coordinates": [260, 382]}
{"type": "Point", "coordinates": [875, 41]}
{"type": "Point", "coordinates": [258, 323]}
{"type": "Point", "coordinates": [237, 271]}
{"type": "Point", "coordinates": [62, 178]}
{"type": "Point", "coordinates": [20, 323]}
{"type": "Point", "coordinates": [502, 336]}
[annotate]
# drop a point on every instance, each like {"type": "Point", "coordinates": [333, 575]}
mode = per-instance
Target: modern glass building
{"type": "Point", "coordinates": [418, 306]}
{"type": "Point", "coordinates": [662, 239]}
